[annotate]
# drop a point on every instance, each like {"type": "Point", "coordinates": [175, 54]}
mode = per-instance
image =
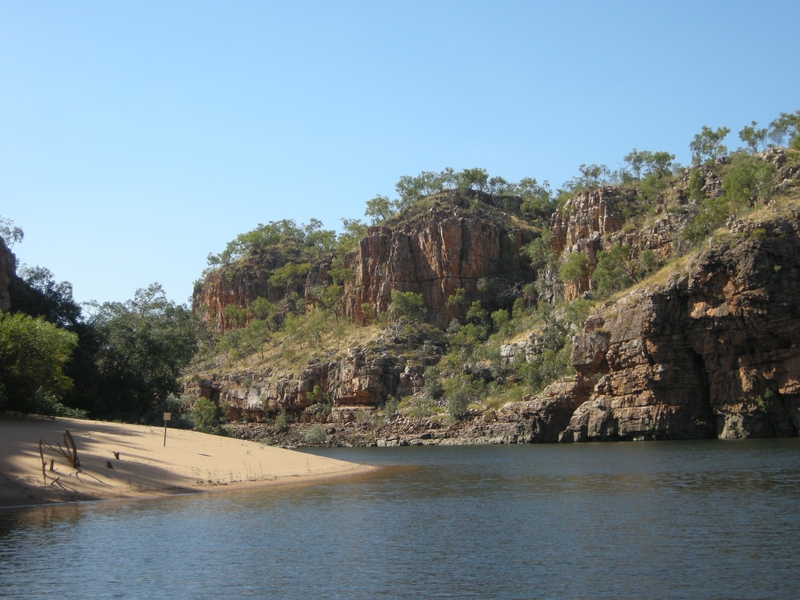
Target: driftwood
{"type": "Point", "coordinates": [70, 452]}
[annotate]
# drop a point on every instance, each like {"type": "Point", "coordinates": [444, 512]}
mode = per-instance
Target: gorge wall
{"type": "Point", "coordinates": [712, 353]}
{"type": "Point", "coordinates": [434, 256]}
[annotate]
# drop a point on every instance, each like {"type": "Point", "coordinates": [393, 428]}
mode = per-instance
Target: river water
{"type": "Point", "coordinates": [705, 519]}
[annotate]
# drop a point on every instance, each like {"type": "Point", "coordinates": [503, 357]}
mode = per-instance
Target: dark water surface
{"type": "Point", "coordinates": [704, 519]}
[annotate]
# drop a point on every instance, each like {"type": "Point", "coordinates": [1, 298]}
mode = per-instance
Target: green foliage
{"type": "Point", "coordinates": [431, 386]}
{"type": "Point", "coordinates": [592, 176]}
{"type": "Point", "coordinates": [747, 180]}
{"type": "Point", "coordinates": [787, 125]}
{"type": "Point", "coordinates": [460, 391]}
{"type": "Point", "coordinates": [574, 268]}
{"type": "Point", "coordinates": [537, 200]}
{"type": "Point", "coordinates": [205, 414]}
{"type": "Point", "coordinates": [754, 137]}
{"type": "Point", "coordinates": [144, 345]}
{"type": "Point", "coordinates": [500, 318]}
{"type": "Point", "coordinates": [416, 408]}
{"type": "Point", "coordinates": [379, 209]}
{"type": "Point", "coordinates": [272, 234]}
{"type": "Point", "coordinates": [538, 251]}
{"type": "Point", "coordinates": [33, 353]}
{"type": "Point", "coordinates": [282, 421]}
{"type": "Point", "coordinates": [617, 269]}
{"type": "Point", "coordinates": [10, 233]}
{"type": "Point", "coordinates": [315, 435]}
{"type": "Point", "coordinates": [545, 368]}
{"type": "Point", "coordinates": [476, 313]}
{"type": "Point", "coordinates": [707, 145]}
{"type": "Point", "coordinates": [614, 270]}
{"type": "Point", "coordinates": [657, 164]}
{"type": "Point", "coordinates": [713, 212]}
{"type": "Point", "coordinates": [457, 299]}
{"type": "Point", "coordinates": [290, 275]}
{"type": "Point", "coordinates": [352, 232]}
{"type": "Point", "coordinates": [696, 184]}
{"type": "Point", "coordinates": [236, 315]}
{"type": "Point", "coordinates": [407, 305]}
{"type": "Point", "coordinates": [389, 408]}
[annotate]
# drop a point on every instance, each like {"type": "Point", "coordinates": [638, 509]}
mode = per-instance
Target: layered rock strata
{"type": "Point", "coordinates": [433, 257]}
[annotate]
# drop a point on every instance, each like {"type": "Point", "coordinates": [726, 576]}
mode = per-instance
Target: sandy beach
{"type": "Point", "coordinates": [190, 462]}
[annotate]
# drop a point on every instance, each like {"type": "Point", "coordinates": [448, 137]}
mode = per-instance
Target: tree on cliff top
{"type": "Point", "coordinates": [10, 233]}
{"type": "Point", "coordinates": [707, 145]}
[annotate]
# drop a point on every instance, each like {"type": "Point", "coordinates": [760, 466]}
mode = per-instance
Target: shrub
{"type": "Point", "coordinates": [389, 408]}
{"type": "Point", "coordinates": [574, 268]}
{"type": "Point", "coordinates": [408, 305]}
{"type": "Point", "coordinates": [315, 435]}
{"type": "Point", "coordinates": [432, 387]}
{"type": "Point", "coordinates": [457, 405]}
{"type": "Point", "coordinates": [205, 414]}
{"type": "Point", "coordinates": [282, 421]}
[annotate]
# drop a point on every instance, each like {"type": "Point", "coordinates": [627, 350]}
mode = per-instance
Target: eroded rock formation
{"type": "Point", "coordinates": [713, 353]}
{"type": "Point", "coordinates": [433, 257]}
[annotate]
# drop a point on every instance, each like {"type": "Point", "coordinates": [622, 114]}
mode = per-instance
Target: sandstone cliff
{"type": "Point", "coordinates": [593, 220]}
{"type": "Point", "coordinates": [455, 244]}
{"type": "Point", "coordinates": [434, 256]}
{"type": "Point", "coordinates": [712, 353]}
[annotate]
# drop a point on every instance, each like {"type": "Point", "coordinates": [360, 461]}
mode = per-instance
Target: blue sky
{"type": "Point", "coordinates": [138, 137]}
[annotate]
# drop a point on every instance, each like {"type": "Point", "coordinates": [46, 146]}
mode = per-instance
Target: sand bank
{"type": "Point", "coordinates": [190, 462]}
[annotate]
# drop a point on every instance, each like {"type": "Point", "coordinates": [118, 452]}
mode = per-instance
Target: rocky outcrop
{"type": "Point", "coordinates": [714, 353]}
{"type": "Point", "coordinates": [593, 220]}
{"type": "Point", "coordinates": [434, 256]}
{"type": "Point", "coordinates": [238, 284]}
{"type": "Point", "coordinates": [364, 379]}
{"type": "Point", "coordinates": [8, 272]}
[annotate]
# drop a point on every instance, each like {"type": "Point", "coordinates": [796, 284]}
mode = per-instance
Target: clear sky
{"type": "Point", "coordinates": [138, 137]}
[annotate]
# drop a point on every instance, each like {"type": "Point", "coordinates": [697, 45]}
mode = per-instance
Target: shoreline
{"type": "Point", "coordinates": [129, 462]}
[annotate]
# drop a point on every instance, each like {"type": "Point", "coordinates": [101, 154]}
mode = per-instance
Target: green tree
{"type": "Point", "coordinates": [352, 232]}
{"type": "Point", "coordinates": [10, 233]}
{"type": "Point", "coordinates": [696, 185]}
{"type": "Point", "coordinates": [144, 345]}
{"type": "Point", "coordinates": [290, 275]}
{"type": "Point", "coordinates": [707, 145]}
{"type": "Point", "coordinates": [205, 414]}
{"type": "Point", "coordinates": [748, 179]}
{"type": "Point", "coordinates": [457, 299]}
{"type": "Point", "coordinates": [637, 161]}
{"type": "Point", "coordinates": [236, 315]}
{"type": "Point", "coordinates": [787, 125]}
{"type": "Point", "coordinates": [660, 164]}
{"type": "Point", "coordinates": [379, 209]}
{"type": "Point", "coordinates": [574, 268]}
{"type": "Point", "coordinates": [753, 136]}
{"type": "Point", "coordinates": [537, 199]}
{"type": "Point", "coordinates": [615, 270]}
{"type": "Point", "coordinates": [408, 305]}
{"type": "Point", "coordinates": [33, 354]}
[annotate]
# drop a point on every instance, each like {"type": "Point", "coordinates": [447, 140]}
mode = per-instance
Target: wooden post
{"type": "Point", "coordinates": [167, 417]}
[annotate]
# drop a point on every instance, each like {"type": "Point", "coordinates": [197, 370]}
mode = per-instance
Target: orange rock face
{"type": "Point", "coordinates": [712, 354]}
{"type": "Point", "coordinates": [433, 257]}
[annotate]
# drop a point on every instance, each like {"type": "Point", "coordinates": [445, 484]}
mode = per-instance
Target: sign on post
{"type": "Point", "coordinates": [167, 417]}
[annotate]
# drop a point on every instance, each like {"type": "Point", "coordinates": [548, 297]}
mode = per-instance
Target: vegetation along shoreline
{"type": "Point", "coordinates": [652, 302]}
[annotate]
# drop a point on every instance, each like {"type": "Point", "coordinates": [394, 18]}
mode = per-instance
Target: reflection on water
{"type": "Point", "coordinates": [677, 519]}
